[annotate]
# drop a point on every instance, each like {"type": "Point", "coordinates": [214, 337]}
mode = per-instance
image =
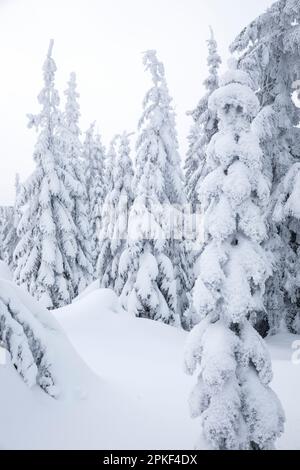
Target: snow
{"type": "Point", "coordinates": [123, 385]}
{"type": "Point", "coordinates": [5, 272]}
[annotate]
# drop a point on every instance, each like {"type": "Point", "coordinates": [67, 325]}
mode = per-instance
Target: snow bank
{"type": "Point", "coordinates": [108, 300]}
{"type": "Point", "coordinates": [126, 391]}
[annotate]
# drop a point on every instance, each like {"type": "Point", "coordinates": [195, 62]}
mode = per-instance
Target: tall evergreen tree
{"type": "Point", "coordinates": [94, 153]}
{"type": "Point", "coordinates": [233, 397]}
{"type": "Point", "coordinates": [287, 214]}
{"type": "Point", "coordinates": [71, 149]}
{"type": "Point", "coordinates": [268, 49]}
{"type": "Point", "coordinates": [10, 236]}
{"type": "Point", "coordinates": [105, 256]}
{"type": "Point", "coordinates": [146, 268]}
{"type": "Point", "coordinates": [6, 228]}
{"type": "Point", "coordinates": [114, 227]}
{"type": "Point", "coordinates": [161, 112]}
{"type": "Point", "coordinates": [110, 163]}
{"type": "Point", "coordinates": [47, 248]}
{"type": "Point", "coordinates": [204, 127]}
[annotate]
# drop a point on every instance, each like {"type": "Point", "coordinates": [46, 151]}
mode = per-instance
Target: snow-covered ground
{"type": "Point", "coordinates": [122, 384]}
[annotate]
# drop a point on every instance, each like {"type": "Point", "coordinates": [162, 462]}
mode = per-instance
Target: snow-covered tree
{"type": "Point", "coordinates": [110, 163]}
{"type": "Point", "coordinates": [160, 114]}
{"type": "Point", "coordinates": [71, 149]}
{"type": "Point", "coordinates": [94, 154]}
{"type": "Point", "coordinates": [114, 219]}
{"type": "Point", "coordinates": [6, 229]}
{"type": "Point", "coordinates": [269, 49]}
{"type": "Point", "coordinates": [238, 408]}
{"type": "Point", "coordinates": [23, 336]}
{"type": "Point", "coordinates": [146, 269]}
{"type": "Point", "coordinates": [205, 125]}
{"type": "Point", "coordinates": [47, 249]}
{"type": "Point", "coordinates": [202, 130]}
{"type": "Point", "coordinates": [11, 238]}
{"type": "Point", "coordinates": [287, 213]}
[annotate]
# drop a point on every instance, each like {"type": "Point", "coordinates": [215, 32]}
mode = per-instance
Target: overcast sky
{"type": "Point", "coordinates": [102, 41]}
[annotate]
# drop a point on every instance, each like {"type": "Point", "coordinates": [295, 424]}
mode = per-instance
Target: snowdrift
{"type": "Point", "coordinates": [122, 384]}
{"type": "Point", "coordinates": [5, 272]}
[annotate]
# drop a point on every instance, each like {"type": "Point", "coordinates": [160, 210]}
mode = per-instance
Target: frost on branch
{"type": "Point", "coordinates": [114, 215]}
{"type": "Point", "coordinates": [237, 407]}
{"type": "Point", "coordinates": [152, 272]}
{"type": "Point", "coordinates": [202, 130]}
{"type": "Point", "coordinates": [50, 254]}
{"type": "Point", "coordinates": [23, 336]}
{"type": "Point", "coordinates": [268, 49]}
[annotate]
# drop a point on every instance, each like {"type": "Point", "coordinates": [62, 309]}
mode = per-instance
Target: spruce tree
{"type": "Point", "coordinates": [268, 49]}
{"type": "Point", "coordinates": [205, 125]}
{"type": "Point", "coordinates": [110, 163]}
{"type": "Point", "coordinates": [232, 395]}
{"type": "Point", "coordinates": [71, 150]}
{"type": "Point", "coordinates": [287, 214]}
{"type": "Point", "coordinates": [202, 130]}
{"type": "Point", "coordinates": [6, 232]}
{"type": "Point", "coordinates": [160, 112]}
{"type": "Point", "coordinates": [47, 249]}
{"type": "Point", "coordinates": [10, 235]}
{"type": "Point", "coordinates": [94, 154]}
{"type": "Point", "coordinates": [146, 269]}
{"type": "Point", "coordinates": [114, 219]}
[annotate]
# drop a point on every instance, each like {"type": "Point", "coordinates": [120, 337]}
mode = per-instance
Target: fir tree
{"type": "Point", "coordinates": [146, 269]}
{"type": "Point", "coordinates": [160, 113]}
{"type": "Point", "coordinates": [94, 153]}
{"type": "Point", "coordinates": [203, 128]}
{"type": "Point", "coordinates": [268, 49]}
{"type": "Point", "coordinates": [10, 235]}
{"type": "Point", "coordinates": [6, 231]}
{"type": "Point", "coordinates": [233, 397]}
{"type": "Point", "coordinates": [110, 163]}
{"type": "Point", "coordinates": [47, 249]}
{"type": "Point", "coordinates": [114, 230]}
{"type": "Point", "coordinates": [71, 149]}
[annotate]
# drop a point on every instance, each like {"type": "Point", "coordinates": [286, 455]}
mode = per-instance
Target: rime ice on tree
{"type": "Point", "coordinates": [48, 249]}
{"type": "Point", "coordinates": [232, 395]}
{"type": "Point", "coordinates": [269, 50]}
{"type": "Point", "coordinates": [146, 268]}
{"type": "Point", "coordinates": [204, 127]}
{"type": "Point", "coordinates": [71, 149]}
{"type": "Point", "coordinates": [114, 217]}
{"type": "Point", "coordinates": [94, 157]}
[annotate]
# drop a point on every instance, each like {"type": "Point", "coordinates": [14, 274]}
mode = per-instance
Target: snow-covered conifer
{"type": "Point", "coordinates": [110, 163]}
{"type": "Point", "coordinates": [160, 114]}
{"type": "Point", "coordinates": [287, 213]}
{"type": "Point", "coordinates": [72, 158]}
{"type": "Point", "coordinates": [238, 408]}
{"type": "Point", "coordinates": [11, 238]}
{"type": "Point", "coordinates": [6, 231]}
{"type": "Point", "coordinates": [146, 268]}
{"type": "Point", "coordinates": [47, 249]}
{"type": "Point", "coordinates": [114, 218]}
{"type": "Point", "coordinates": [268, 49]}
{"type": "Point", "coordinates": [202, 130]}
{"type": "Point", "coordinates": [94, 153]}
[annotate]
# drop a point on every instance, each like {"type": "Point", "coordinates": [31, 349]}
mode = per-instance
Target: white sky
{"type": "Point", "coordinates": [102, 41]}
